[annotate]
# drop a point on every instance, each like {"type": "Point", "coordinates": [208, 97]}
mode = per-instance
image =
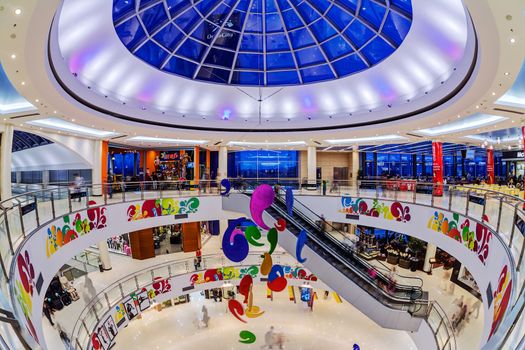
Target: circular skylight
{"type": "Point", "coordinates": [262, 42]}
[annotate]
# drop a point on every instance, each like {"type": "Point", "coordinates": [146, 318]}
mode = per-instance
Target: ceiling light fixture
{"type": "Point", "coordinates": [366, 139]}
{"type": "Point", "coordinates": [13, 56]}
{"type": "Point", "coordinates": [266, 143]}
{"type": "Point", "coordinates": [18, 12]}
{"type": "Point", "coordinates": [166, 140]}
{"type": "Point", "coordinates": [470, 122]}
{"type": "Point", "coordinates": [63, 125]}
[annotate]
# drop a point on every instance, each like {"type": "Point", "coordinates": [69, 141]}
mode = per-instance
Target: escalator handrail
{"type": "Point", "coordinates": [337, 242]}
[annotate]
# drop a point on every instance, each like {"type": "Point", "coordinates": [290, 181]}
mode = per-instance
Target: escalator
{"type": "Point", "coordinates": [391, 305]}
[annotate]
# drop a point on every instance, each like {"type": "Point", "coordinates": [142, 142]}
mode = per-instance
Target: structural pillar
{"type": "Point", "coordinates": [437, 168]}
{"type": "Point", "coordinates": [311, 155]}
{"type": "Point", "coordinates": [354, 170]}
{"type": "Point", "coordinates": [430, 254]}
{"type": "Point", "coordinates": [18, 177]}
{"type": "Point", "coordinates": [99, 171]}
{"type": "Point", "coordinates": [223, 163]}
{"type": "Point", "coordinates": [5, 162]}
{"type": "Point", "coordinates": [104, 254]}
{"type": "Point", "coordinates": [490, 166]}
{"type": "Point", "coordinates": [45, 178]}
{"type": "Point", "coordinates": [196, 164]}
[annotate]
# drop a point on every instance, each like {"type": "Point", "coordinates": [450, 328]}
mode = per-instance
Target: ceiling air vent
{"type": "Point", "coordinates": [118, 137]}
{"type": "Point", "coordinates": [317, 142]}
{"type": "Point", "coordinates": [217, 143]}
{"type": "Point", "coordinates": [26, 115]}
{"type": "Point", "coordinates": [414, 135]}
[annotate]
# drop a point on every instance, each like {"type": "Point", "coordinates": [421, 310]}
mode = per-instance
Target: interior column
{"type": "Point", "coordinates": [430, 254]}
{"type": "Point", "coordinates": [437, 167]}
{"type": "Point", "coordinates": [104, 255]}
{"type": "Point", "coordinates": [311, 156]}
{"type": "Point", "coordinates": [223, 163]}
{"type": "Point", "coordinates": [196, 164]}
{"type": "Point", "coordinates": [355, 165]}
{"type": "Point", "coordinates": [99, 173]}
{"type": "Point", "coordinates": [5, 162]}
{"type": "Point", "coordinates": [490, 166]}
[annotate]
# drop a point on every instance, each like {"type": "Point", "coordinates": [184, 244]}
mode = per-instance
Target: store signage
{"type": "Point", "coordinates": [181, 216]}
{"type": "Point", "coordinates": [476, 199]}
{"type": "Point", "coordinates": [437, 167]}
{"type": "Point", "coordinates": [28, 208]}
{"type": "Point", "coordinates": [513, 155]}
{"type": "Point", "coordinates": [168, 156]}
{"type": "Point", "coordinates": [352, 217]}
{"type": "Point", "coordinates": [490, 166]}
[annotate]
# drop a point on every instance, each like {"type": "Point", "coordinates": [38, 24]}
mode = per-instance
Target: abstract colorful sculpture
{"type": "Point", "coordinates": [301, 241]}
{"type": "Point", "coordinates": [234, 243]}
{"type": "Point", "coordinates": [261, 199]}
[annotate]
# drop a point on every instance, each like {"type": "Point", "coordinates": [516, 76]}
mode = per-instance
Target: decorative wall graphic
{"type": "Point", "coordinates": [247, 337]}
{"type": "Point", "coordinates": [162, 207]}
{"type": "Point", "coordinates": [120, 316]}
{"type": "Point", "coordinates": [112, 330]}
{"type": "Point", "coordinates": [234, 245]}
{"type": "Point", "coordinates": [212, 275]}
{"type": "Point", "coordinates": [261, 199]}
{"type": "Point", "coordinates": [24, 290]}
{"type": "Point", "coordinates": [253, 234]}
{"type": "Point", "coordinates": [142, 300]}
{"type": "Point", "coordinates": [272, 238]}
{"type": "Point", "coordinates": [289, 201]}
{"type": "Point", "coordinates": [227, 187]}
{"type": "Point", "coordinates": [236, 309]}
{"type": "Point", "coordinates": [502, 296]}
{"type": "Point", "coordinates": [477, 241]}
{"type": "Point", "coordinates": [301, 241]}
{"type": "Point", "coordinates": [130, 305]}
{"type": "Point", "coordinates": [58, 237]}
{"type": "Point", "coordinates": [266, 264]}
{"type": "Point", "coordinates": [396, 211]}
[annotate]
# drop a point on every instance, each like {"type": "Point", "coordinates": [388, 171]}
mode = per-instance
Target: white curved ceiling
{"type": "Point", "coordinates": [428, 66]}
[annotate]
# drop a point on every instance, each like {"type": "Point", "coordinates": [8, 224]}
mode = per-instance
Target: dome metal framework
{"type": "Point", "coordinates": [262, 42]}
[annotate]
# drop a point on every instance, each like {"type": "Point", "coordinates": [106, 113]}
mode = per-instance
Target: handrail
{"type": "Point", "coordinates": [13, 232]}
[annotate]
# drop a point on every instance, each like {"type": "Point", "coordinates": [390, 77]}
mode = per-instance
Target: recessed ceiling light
{"type": "Point", "coordinates": [37, 100]}
{"type": "Point", "coordinates": [13, 56]}
{"type": "Point", "coordinates": [507, 73]}
{"type": "Point", "coordinates": [18, 12]}
{"type": "Point", "coordinates": [55, 112]}
{"type": "Point", "coordinates": [72, 119]}
{"type": "Point", "coordinates": [477, 107]}
{"type": "Point", "coordinates": [23, 83]}
{"type": "Point", "coordinates": [493, 94]}
{"type": "Point", "coordinates": [512, 40]}
{"type": "Point", "coordinates": [459, 116]}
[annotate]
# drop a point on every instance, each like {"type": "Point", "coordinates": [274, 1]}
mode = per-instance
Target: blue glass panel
{"type": "Point", "coordinates": [336, 47]}
{"type": "Point", "coordinates": [218, 57]}
{"type": "Point", "coordinates": [131, 32]}
{"type": "Point", "coordinates": [151, 53]}
{"type": "Point", "coordinates": [228, 39]}
{"type": "Point", "coordinates": [320, 5]}
{"type": "Point", "coordinates": [256, 7]}
{"type": "Point", "coordinates": [317, 73]}
{"type": "Point", "coordinates": [377, 50]}
{"type": "Point", "coordinates": [349, 65]}
{"type": "Point", "coordinates": [253, 23]}
{"type": "Point", "coordinates": [205, 32]}
{"type": "Point", "coordinates": [405, 5]}
{"type": "Point", "coordinates": [339, 18]}
{"type": "Point", "coordinates": [283, 5]}
{"type": "Point", "coordinates": [247, 78]}
{"type": "Point", "coordinates": [236, 20]}
{"type": "Point", "coordinates": [169, 36]}
{"type": "Point", "coordinates": [372, 13]}
{"type": "Point", "coordinates": [213, 74]}
{"type": "Point", "coordinates": [192, 49]}
{"type": "Point", "coordinates": [187, 20]}
{"type": "Point", "coordinates": [309, 56]}
{"type": "Point", "coordinates": [291, 20]}
{"type": "Point", "coordinates": [252, 43]}
{"type": "Point", "coordinates": [322, 30]}
{"type": "Point", "coordinates": [145, 3]}
{"type": "Point", "coordinates": [179, 66]}
{"type": "Point", "coordinates": [121, 8]}
{"type": "Point", "coordinates": [176, 6]}
{"type": "Point", "coordinates": [359, 33]}
{"type": "Point", "coordinates": [277, 42]}
{"type": "Point", "coordinates": [251, 61]}
{"type": "Point", "coordinates": [307, 12]}
{"type": "Point", "coordinates": [279, 61]}
{"type": "Point", "coordinates": [219, 15]}
{"type": "Point", "coordinates": [154, 17]}
{"type": "Point", "coordinates": [301, 38]}
{"type": "Point", "coordinates": [282, 78]}
{"type": "Point", "coordinates": [349, 5]}
{"type": "Point", "coordinates": [205, 7]}
{"type": "Point", "coordinates": [273, 23]}
{"type": "Point", "coordinates": [396, 27]}
{"type": "Point", "coordinates": [271, 7]}
{"type": "Point", "coordinates": [243, 6]}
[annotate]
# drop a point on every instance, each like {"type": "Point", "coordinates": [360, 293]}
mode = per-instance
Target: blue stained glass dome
{"type": "Point", "coordinates": [262, 42]}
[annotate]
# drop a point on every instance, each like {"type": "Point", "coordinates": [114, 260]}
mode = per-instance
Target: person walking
{"type": "Point", "coordinates": [324, 187]}
{"type": "Point", "coordinates": [205, 316]}
{"type": "Point", "coordinates": [110, 184]}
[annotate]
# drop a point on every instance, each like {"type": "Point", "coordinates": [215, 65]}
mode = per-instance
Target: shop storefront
{"type": "Point", "coordinates": [512, 163]}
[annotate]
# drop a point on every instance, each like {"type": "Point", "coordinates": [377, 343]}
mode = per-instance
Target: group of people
{"type": "Point", "coordinates": [273, 339]}
{"type": "Point", "coordinates": [463, 312]}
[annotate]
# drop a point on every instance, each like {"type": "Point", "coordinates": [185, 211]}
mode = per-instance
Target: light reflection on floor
{"type": "Point", "coordinates": [330, 326]}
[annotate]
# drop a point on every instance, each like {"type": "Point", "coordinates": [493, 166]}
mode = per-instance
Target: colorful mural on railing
{"type": "Point", "coordinates": [162, 207]}
{"type": "Point", "coordinates": [59, 236]}
{"type": "Point", "coordinates": [475, 239]}
{"type": "Point", "coordinates": [25, 287]}
{"type": "Point", "coordinates": [360, 206]}
{"type": "Point", "coordinates": [501, 299]}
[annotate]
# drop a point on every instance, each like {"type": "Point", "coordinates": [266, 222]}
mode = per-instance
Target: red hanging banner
{"type": "Point", "coordinates": [523, 144]}
{"type": "Point", "coordinates": [437, 168]}
{"type": "Point", "coordinates": [490, 166]}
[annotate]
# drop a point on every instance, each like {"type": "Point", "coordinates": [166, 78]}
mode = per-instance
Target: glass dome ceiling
{"type": "Point", "coordinates": [262, 42]}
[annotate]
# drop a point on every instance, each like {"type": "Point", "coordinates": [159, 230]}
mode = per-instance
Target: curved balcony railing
{"type": "Point", "coordinates": [22, 214]}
